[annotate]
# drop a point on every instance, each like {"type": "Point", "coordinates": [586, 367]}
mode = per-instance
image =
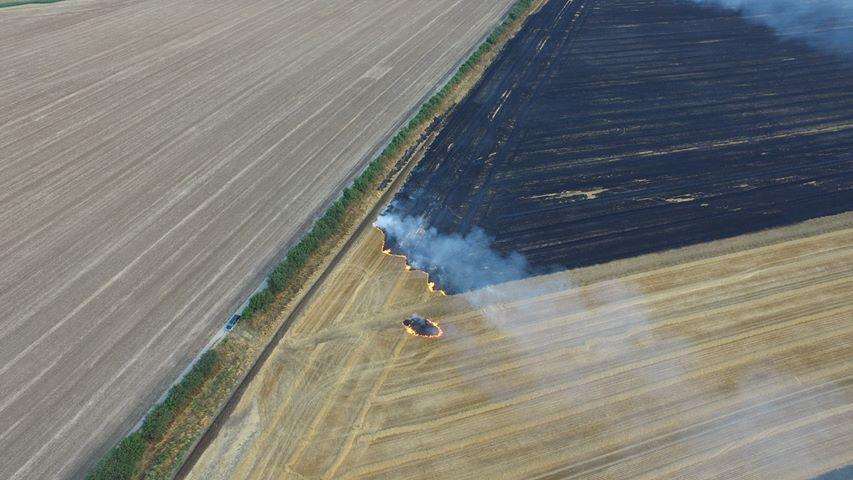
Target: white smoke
{"type": "Point", "coordinates": [654, 356]}
{"type": "Point", "coordinates": [826, 24]}
{"type": "Point", "coordinates": [458, 262]}
{"type": "Point", "coordinates": [655, 359]}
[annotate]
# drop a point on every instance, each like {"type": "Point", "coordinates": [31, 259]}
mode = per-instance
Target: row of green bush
{"type": "Point", "coordinates": [159, 418]}
{"type": "Point", "coordinates": [123, 461]}
{"type": "Point", "coordinates": [16, 3]}
{"type": "Point", "coordinates": [284, 277]}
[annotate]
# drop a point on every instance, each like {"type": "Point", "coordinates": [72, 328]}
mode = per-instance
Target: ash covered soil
{"type": "Point", "coordinates": [609, 129]}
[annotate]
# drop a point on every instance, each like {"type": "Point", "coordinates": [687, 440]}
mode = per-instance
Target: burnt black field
{"type": "Point", "coordinates": [612, 128]}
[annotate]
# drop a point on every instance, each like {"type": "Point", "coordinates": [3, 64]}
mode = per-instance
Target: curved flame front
{"type": "Point", "coordinates": [431, 287]}
{"type": "Point", "coordinates": [407, 267]}
{"type": "Point", "coordinates": [413, 332]}
{"type": "Point", "coordinates": [435, 329]}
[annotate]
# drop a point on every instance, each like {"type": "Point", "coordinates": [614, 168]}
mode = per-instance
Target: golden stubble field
{"type": "Point", "coordinates": [732, 359]}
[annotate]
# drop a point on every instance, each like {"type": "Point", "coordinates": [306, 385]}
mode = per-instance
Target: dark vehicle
{"type": "Point", "coordinates": [232, 322]}
{"type": "Point", "coordinates": [421, 327]}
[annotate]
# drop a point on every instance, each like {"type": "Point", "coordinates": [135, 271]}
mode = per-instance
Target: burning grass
{"type": "Point", "coordinates": [430, 284]}
{"type": "Point", "coordinates": [422, 327]}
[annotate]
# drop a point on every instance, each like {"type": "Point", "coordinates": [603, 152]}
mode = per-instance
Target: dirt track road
{"type": "Point", "coordinates": [155, 157]}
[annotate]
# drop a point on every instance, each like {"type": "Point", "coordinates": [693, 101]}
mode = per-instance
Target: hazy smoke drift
{"type": "Point", "coordinates": [826, 24]}
{"type": "Point", "coordinates": [459, 262]}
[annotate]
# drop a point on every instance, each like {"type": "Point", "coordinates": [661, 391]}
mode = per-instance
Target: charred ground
{"type": "Point", "coordinates": [608, 129]}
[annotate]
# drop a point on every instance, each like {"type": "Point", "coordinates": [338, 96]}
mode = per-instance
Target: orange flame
{"type": "Point", "coordinates": [431, 287]}
{"type": "Point", "coordinates": [407, 267]}
{"type": "Point", "coordinates": [412, 331]}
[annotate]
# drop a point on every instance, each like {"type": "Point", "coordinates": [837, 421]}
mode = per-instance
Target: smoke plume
{"type": "Point", "coordinates": [613, 325]}
{"type": "Point", "coordinates": [826, 24]}
{"type": "Point", "coordinates": [608, 339]}
{"type": "Point", "coordinates": [458, 263]}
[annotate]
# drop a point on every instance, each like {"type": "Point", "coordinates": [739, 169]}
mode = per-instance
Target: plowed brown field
{"type": "Point", "coordinates": [156, 157]}
{"type": "Point", "coordinates": [731, 359]}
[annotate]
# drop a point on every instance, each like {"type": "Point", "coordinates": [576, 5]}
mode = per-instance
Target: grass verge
{"type": "Point", "coordinates": [18, 3]}
{"type": "Point", "coordinates": [172, 427]}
